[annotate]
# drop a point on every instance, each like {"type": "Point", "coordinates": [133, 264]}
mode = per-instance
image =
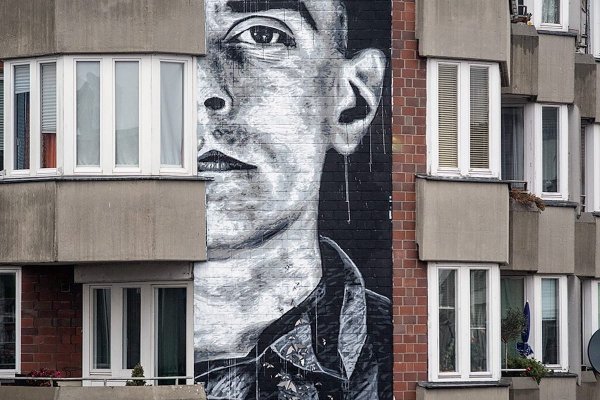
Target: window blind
{"type": "Point", "coordinates": [549, 299]}
{"type": "Point", "coordinates": [21, 79]}
{"type": "Point", "coordinates": [448, 115]}
{"type": "Point", "coordinates": [480, 114]}
{"type": "Point", "coordinates": [48, 72]}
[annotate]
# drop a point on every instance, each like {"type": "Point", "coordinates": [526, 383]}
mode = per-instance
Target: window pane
{"type": "Point", "coordinates": [551, 11]}
{"type": "Point", "coordinates": [88, 113]}
{"type": "Point", "coordinates": [480, 116]}
{"type": "Point", "coordinates": [132, 321]}
{"type": "Point", "coordinates": [7, 321]}
{"type": "Point", "coordinates": [512, 143]}
{"type": "Point", "coordinates": [550, 125]}
{"type": "Point", "coordinates": [171, 114]}
{"type": "Point", "coordinates": [48, 110]}
{"type": "Point", "coordinates": [127, 113]}
{"type": "Point", "coordinates": [550, 321]}
{"type": "Point", "coordinates": [512, 296]}
{"type": "Point", "coordinates": [447, 322]}
{"type": "Point", "coordinates": [479, 321]}
{"type": "Point", "coordinates": [170, 333]}
{"type": "Point", "coordinates": [22, 92]}
{"type": "Point", "coordinates": [448, 115]}
{"type": "Point", "coordinates": [101, 349]}
{"type": "Point", "coordinates": [1, 124]}
{"type": "Point", "coordinates": [598, 302]}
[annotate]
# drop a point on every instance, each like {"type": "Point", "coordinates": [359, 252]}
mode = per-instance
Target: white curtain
{"type": "Point", "coordinates": [171, 114]}
{"type": "Point", "coordinates": [127, 113]}
{"type": "Point", "coordinates": [478, 320]}
{"type": "Point", "coordinates": [550, 149]}
{"type": "Point", "coordinates": [551, 12]}
{"type": "Point", "coordinates": [447, 319]}
{"type": "Point", "coordinates": [88, 113]}
{"type": "Point", "coordinates": [550, 321]}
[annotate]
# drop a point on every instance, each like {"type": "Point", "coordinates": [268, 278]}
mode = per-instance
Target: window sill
{"type": "Point", "coordinates": [462, 385]}
{"type": "Point", "coordinates": [560, 203]}
{"type": "Point", "coordinates": [557, 32]}
{"type": "Point", "coordinates": [462, 179]}
{"type": "Point", "coordinates": [88, 178]}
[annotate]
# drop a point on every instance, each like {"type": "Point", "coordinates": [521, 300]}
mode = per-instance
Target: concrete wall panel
{"type": "Point", "coordinates": [556, 76]}
{"type": "Point", "coordinates": [585, 84]}
{"type": "Point", "coordinates": [557, 241]}
{"type": "Point", "coordinates": [524, 61]}
{"type": "Point", "coordinates": [524, 237]}
{"type": "Point", "coordinates": [195, 392]}
{"type": "Point", "coordinates": [27, 222]}
{"type": "Point", "coordinates": [133, 272]}
{"type": "Point", "coordinates": [585, 245]}
{"type": "Point", "coordinates": [130, 221]}
{"type": "Point", "coordinates": [558, 388]}
{"type": "Point", "coordinates": [491, 393]}
{"type": "Point", "coordinates": [462, 221]}
{"type": "Point", "coordinates": [452, 29]}
{"type": "Point", "coordinates": [33, 28]}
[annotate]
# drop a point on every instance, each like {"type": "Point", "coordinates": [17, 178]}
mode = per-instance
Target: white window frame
{"type": "Point", "coordinates": [594, 10]}
{"type": "Point", "coordinates": [534, 287]}
{"type": "Point", "coordinates": [147, 342]}
{"type": "Point", "coordinates": [535, 8]}
{"type": "Point", "coordinates": [35, 168]}
{"type": "Point", "coordinates": [10, 373]}
{"type": "Point", "coordinates": [463, 113]}
{"type": "Point", "coordinates": [66, 147]}
{"type": "Point", "coordinates": [590, 319]}
{"type": "Point", "coordinates": [592, 167]}
{"type": "Point", "coordinates": [534, 154]}
{"type": "Point", "coordinates": [463, 326]}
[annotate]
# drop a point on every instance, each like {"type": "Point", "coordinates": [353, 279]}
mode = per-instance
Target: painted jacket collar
{"type": "Point", "coordinates": [308, 337]}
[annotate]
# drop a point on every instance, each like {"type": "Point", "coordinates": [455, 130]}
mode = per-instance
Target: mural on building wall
{"type": "Point", "coordinates": [294, 302]}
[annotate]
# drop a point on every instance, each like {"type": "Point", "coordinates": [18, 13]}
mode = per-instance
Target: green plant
{"type": "Point", "coordinates": [511, 328]}
{"type": "Point", "coordinates": [137, 372]}
{"type": "Point", "coordinates": [533, 368]}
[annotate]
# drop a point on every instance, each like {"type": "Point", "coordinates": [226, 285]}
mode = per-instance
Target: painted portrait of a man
{"type": "Point", "coordinates": [293, 100]}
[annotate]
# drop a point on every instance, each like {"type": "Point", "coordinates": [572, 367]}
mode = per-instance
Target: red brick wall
{"type": "Point", "coordinates": [51, 320]}
{"type": "Point", "coordinates": [409, 158]}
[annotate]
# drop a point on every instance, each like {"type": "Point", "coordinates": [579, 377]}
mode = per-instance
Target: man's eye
{"type": "Point", "coordinates": [265, 35]}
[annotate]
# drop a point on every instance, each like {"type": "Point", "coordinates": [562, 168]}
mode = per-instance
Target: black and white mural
{"type": "Point", "coordinates": [294, 127]}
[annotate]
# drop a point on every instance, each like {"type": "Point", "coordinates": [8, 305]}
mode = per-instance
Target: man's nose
{"type": "Point", "coordinates": [214, 103]}
{"type": "Point", "coordinates": [212, 88]}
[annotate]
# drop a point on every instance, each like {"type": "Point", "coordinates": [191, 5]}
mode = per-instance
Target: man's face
{"type": "Point", "coordinates": [267, 94]}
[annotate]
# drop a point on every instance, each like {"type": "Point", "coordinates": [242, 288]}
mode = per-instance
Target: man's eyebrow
{"type": "Point", "coordinates": [246, 6]}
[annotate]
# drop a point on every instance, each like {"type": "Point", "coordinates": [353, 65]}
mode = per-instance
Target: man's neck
{"type": "Point", "coordinates": [238, 297]}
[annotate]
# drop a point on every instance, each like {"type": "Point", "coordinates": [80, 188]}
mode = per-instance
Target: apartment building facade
{"type": "Point", "coordinates": [301, 199]}
{"type": "Point", "coordinates": [523, 74]}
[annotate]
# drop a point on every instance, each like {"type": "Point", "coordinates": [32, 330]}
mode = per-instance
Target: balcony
{"type": "Point", "coordinates": [100, 219]}
{"type": "Point", "coordinates": [33, 28]}
{"type": "Point", "coordinates": [587, 242]}
{"type": "Point", "coordinates": [452, 29]}
{"type": "Point", "coordinates": [195, 392]}
{"type": "Point", "coordinates": [542, 241]}
{"type": "Point", "coordinates": [464, 221]}
{"type": "Point", "coordinates": [542, 65]}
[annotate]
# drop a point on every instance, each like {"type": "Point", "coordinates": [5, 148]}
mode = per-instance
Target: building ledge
{"type": "Point", "coordinates": [463, 385]}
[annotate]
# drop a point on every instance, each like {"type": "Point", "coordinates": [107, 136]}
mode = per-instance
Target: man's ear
{"type": "Point", "coordinates": [359, 93]}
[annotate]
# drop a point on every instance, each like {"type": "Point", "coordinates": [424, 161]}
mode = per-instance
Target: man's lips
{"type": "Point", "coordinates": [215, 161]}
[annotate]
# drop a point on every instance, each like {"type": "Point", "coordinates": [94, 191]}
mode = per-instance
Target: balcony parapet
{"type": "Point", "coordinates": [102, 219]}
{"type": "Point", "coordinates": [33, 28]}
